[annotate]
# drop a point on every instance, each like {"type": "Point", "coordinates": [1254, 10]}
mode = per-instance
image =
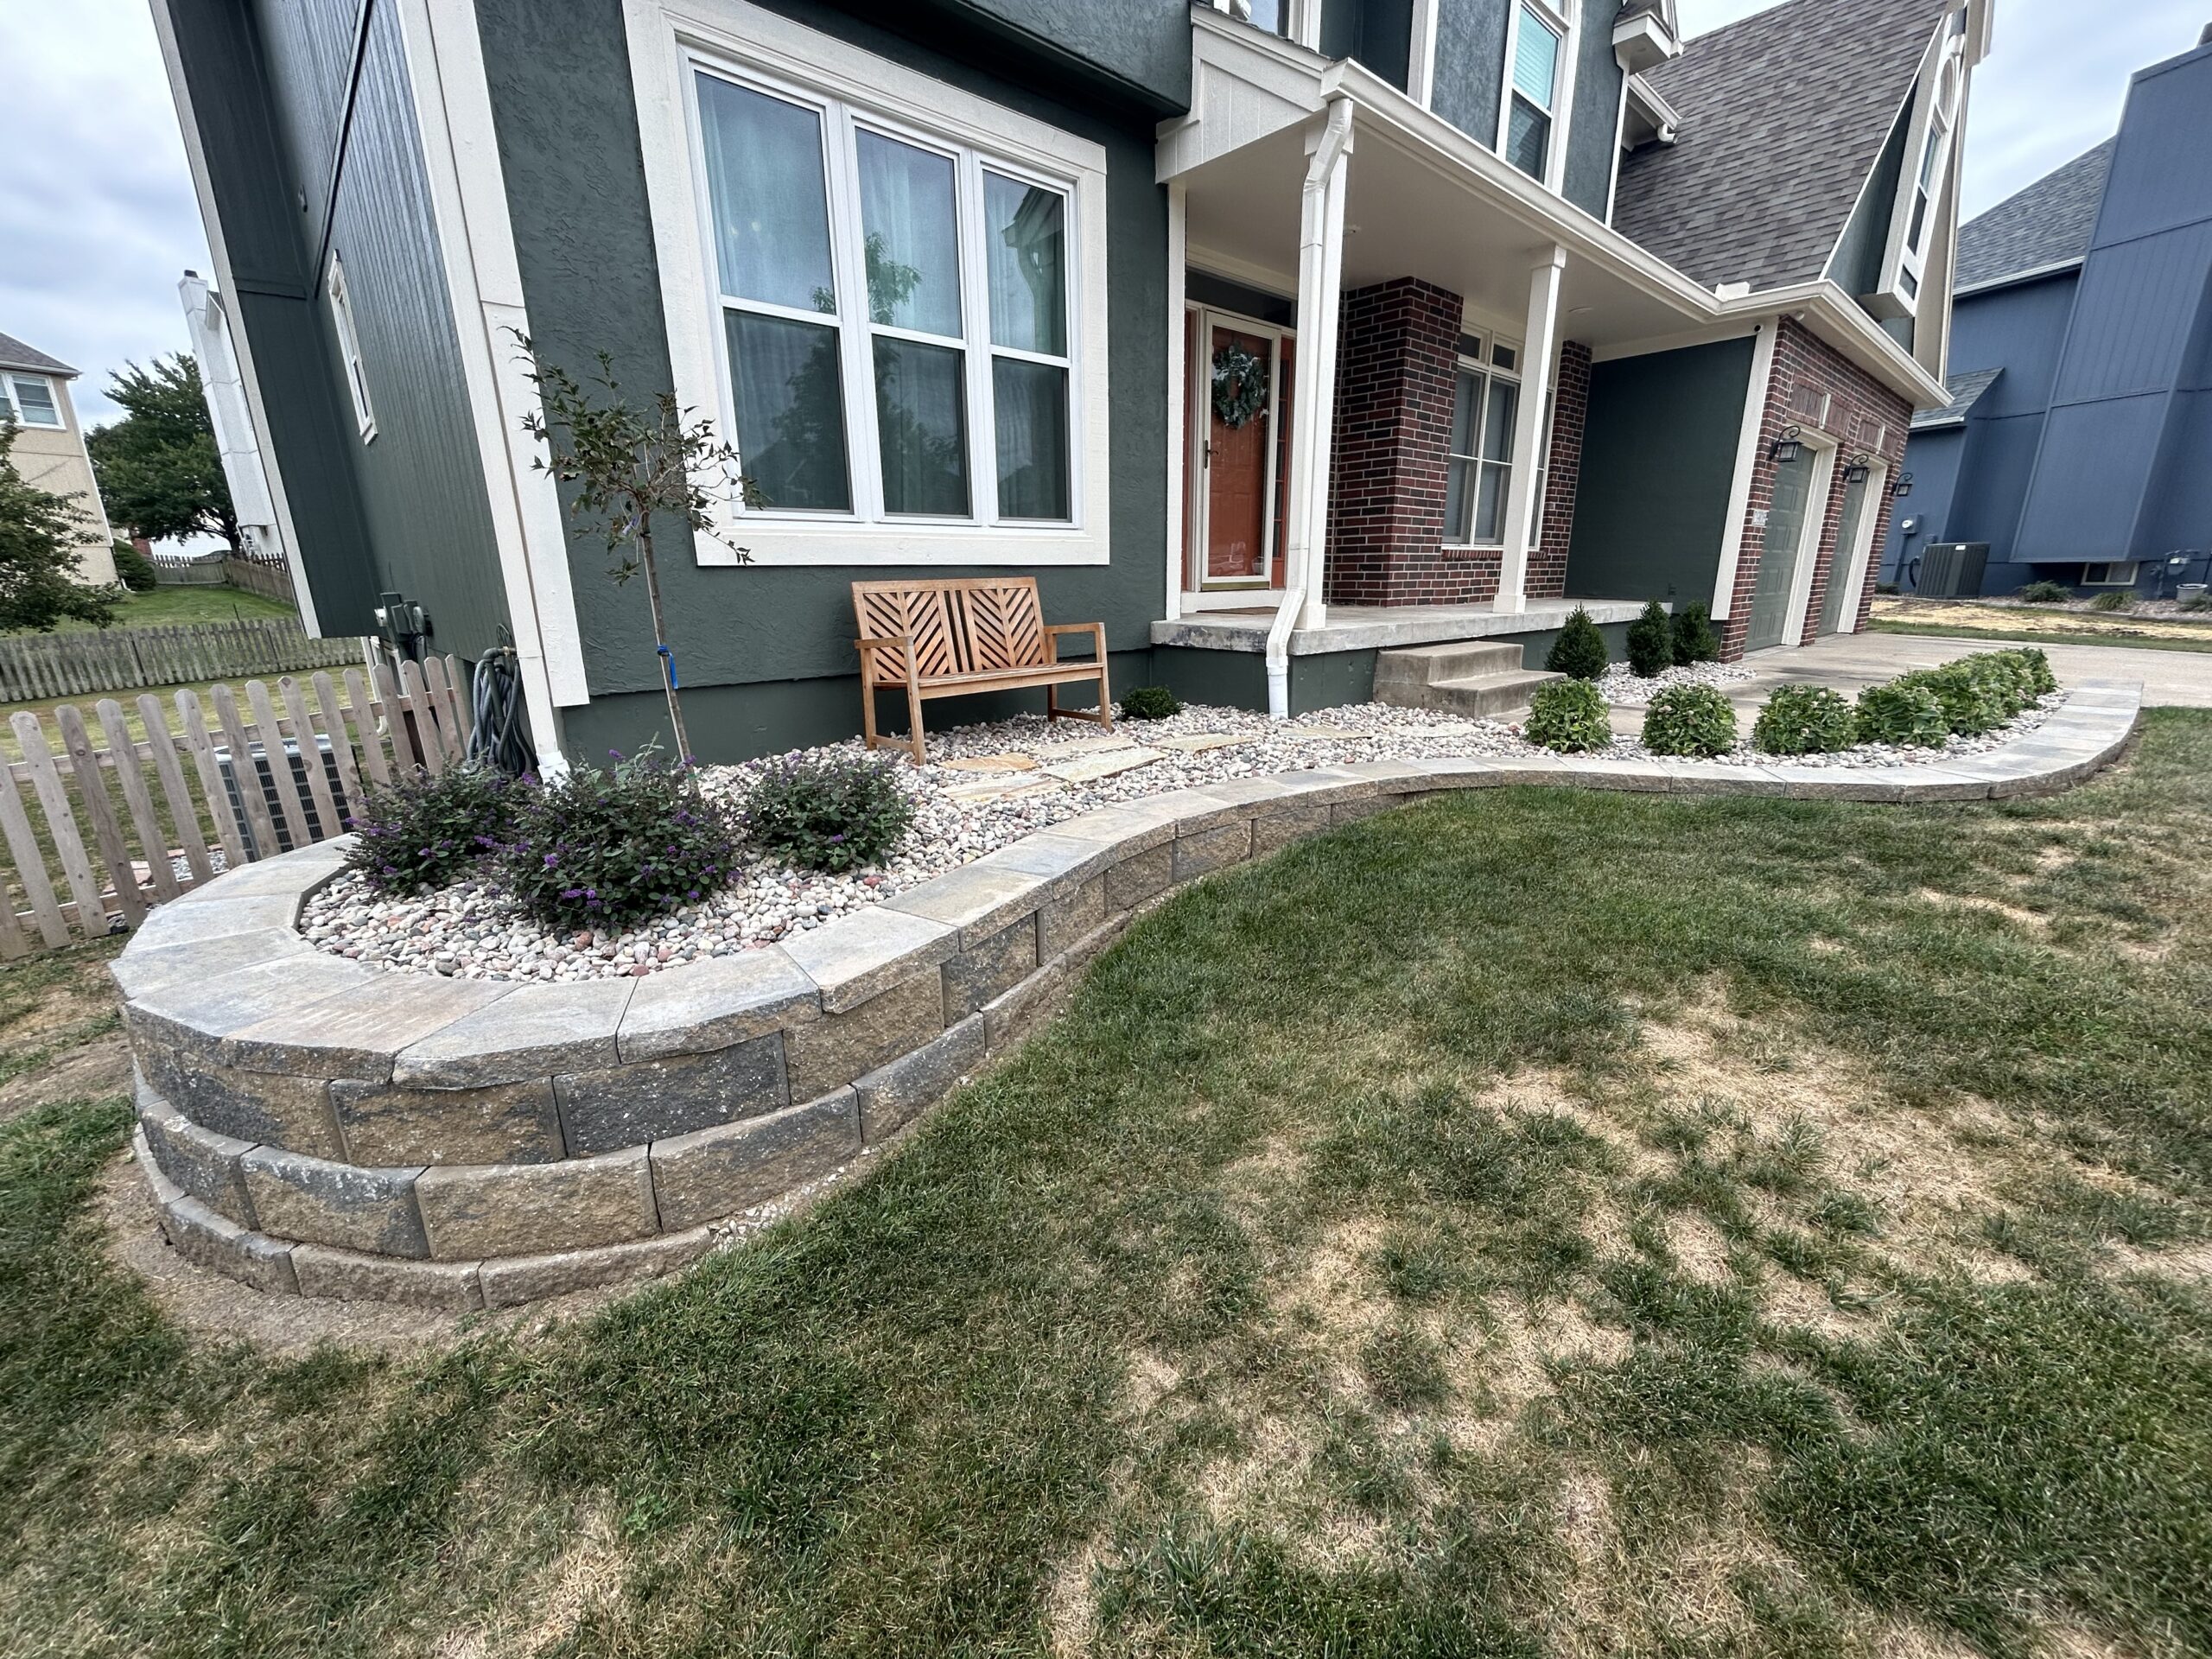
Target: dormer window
{"type": "Point", "coordinates": [1912, 229]}
{"type": "Point", "coordinates": [1538, 57]}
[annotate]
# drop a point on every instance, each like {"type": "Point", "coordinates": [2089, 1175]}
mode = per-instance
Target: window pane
{"type": "Point", "coordinates": [1497, 425]}
{"type": "Point", "coordinates": [922, 413]}
{"type": "Point", "coordinates": [1267, 15]}
{"type": "Point", "coordinates": [34, 399]}
{"type": "Point", "coordinates": [1458, 503]}
{"type": "Point", "coordinates": [1466, 411]}
{"type": "Point", "coordinates": [911, 236]}
{"type": "Point", "coordinates": [1025, 230]}
{"type": "Point", "coordinates": [1505, 357]}
{"type": "Point", "coordinates": [1490, 503]}
{"type": "Point", "coordinates": [790, 412]}
{"type": "Point", "coordinates": [764, 182]}
{"type": "Point", "coordinates": [1527, 137]}
{"type": "Point", "coordinates": [1032, 401]}
{"type": "Point", "coordinates": [1535, 60]}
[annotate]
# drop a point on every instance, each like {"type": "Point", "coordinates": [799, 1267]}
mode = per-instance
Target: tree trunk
{"type": "Point", "coordinates": [660, 639]}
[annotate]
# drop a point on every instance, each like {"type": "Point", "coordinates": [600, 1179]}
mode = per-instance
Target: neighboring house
{"type": "Point", "coordinates": [2077, 440]}
{"type": "Point", "coordinates": [1274, 334]}
{"type": "Point", "coordinates": [49, 449]}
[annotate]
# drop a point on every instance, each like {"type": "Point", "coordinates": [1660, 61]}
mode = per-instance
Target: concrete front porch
{"type": "Point", "coordinates": [1382, 627]}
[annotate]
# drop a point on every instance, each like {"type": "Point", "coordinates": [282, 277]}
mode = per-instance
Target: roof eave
{"type": "Point", "coordinates": [1836, 318]}
{"type": "Point", "coordinates": [2015, 279]}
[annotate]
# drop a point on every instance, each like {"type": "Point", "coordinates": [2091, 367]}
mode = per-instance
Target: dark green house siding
{"type": "Point", "coordinates": [767, 654]}
{"type": "Point", "coordinates": [1658, 459]}
{"type": "Point", "coordinates": [1470, 80]}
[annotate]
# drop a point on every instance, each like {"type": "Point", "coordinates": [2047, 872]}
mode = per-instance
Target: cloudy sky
{"type": "Point", "coordinates": [97, 217]}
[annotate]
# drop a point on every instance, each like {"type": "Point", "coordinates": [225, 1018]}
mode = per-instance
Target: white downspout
{"type": "Point", "coordinates": [1321, 270]}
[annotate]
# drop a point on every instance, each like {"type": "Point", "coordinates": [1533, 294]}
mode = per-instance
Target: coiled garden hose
{"type": "Point", "coordinates": [500, 735]}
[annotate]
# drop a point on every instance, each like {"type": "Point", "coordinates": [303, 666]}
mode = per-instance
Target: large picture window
{"type": "Point", "coordinates": [896, 314]}
{"type": "Point", "coordinates": [1483, 407]}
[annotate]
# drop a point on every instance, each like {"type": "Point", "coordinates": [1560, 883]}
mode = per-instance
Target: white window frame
{"type": "Point", "coordinates": [1483, 363]}
{"type": "Point", "coordinates": [671, 41]}
{"type": "Point", "coordinates": [2133, 566]}
{"type": "Point", "coordinates": [1939, 106]}
{"type": "Point", "coordinates": [1569, 31]}
{"type": "Point", "coordinates": [12, 406]}
{"type": "Point", "coordinates": [349, 347]}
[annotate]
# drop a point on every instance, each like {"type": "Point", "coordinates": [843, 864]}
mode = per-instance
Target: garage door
{"type": "Point", "coordinates": [1785, 544]}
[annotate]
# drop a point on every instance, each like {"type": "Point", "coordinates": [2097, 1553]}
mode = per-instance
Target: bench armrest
{"type": "Point", "coordinates": [900, 643]}
{"type": "Point", "coordinates": [1054, 630]}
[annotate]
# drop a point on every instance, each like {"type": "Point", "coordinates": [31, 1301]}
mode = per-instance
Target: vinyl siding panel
{"type": "Point", "coordinates": [2136, 315]}
{"type": "Point", "coordinates": [309, 47]}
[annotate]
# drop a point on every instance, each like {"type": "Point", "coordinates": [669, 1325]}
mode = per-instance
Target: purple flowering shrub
{"type": "Point", "coordinates": [835, 814]}
{"type": "Point", "coordinates": [423, 832]}
{"type": "Point", "coordinates": [607, 847]}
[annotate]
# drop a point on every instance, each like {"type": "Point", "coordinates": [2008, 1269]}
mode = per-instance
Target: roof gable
{"type": "Point", "coordinates": [2047, 224]}
{"type": "Point", "coordinates": [1784, 115]}
{"type": "Point", "coordinates": [13, 354]}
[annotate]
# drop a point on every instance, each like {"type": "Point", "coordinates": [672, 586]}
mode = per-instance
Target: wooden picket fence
{"type": "Point", "coordinates": [36, 666]}
{"type": "Point", "coordinates": [96, 869]}
{"type": "Point", "coordinates": [271, 578]}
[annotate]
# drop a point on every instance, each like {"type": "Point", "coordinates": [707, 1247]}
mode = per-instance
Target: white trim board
{"type": "Point", "coordinates": [664, 37]}
{"type": "Point", "coordinates": [1747, 459]}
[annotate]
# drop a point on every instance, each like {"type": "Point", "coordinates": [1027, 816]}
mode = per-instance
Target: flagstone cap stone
{"type": "Point", "coordinates": [317, 1126]}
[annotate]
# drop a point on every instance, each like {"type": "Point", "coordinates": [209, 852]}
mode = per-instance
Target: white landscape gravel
{"type": "Point", "coordinates": [985, 787]}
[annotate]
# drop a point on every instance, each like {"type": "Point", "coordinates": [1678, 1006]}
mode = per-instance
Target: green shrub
{"type": "Point", "coordinates": [1651, 642]}
{"type": "Point", "coordinates": [2036, 668]}
{"type": "Point", "coordinates": [1692, 720]}
{"type": "Point", "coordinates": [1580, 650]}
{"type": "Point", "coordinates": [133, 568]}
{"type": "Point", "coordinates": [1150, 703]}
{"type": "Point", "coordinates": [1972, 700]}
{"type": "Point", "coordinates": [2112, 601]}
{"type": "Point", "coordinates": [1694, 639]}
{"type": "Point", "coordinates": [1805, 720]}
{"type": "Point", "coordinates": [1569, 716]}
{"type": "Point", "coordinates": [1906, 715]}
{"type": "Point", "coordinates": [2046, 593]}
{"type": "Point", "coordinates": [603, 848]}
{"type": "Point", "coordinates": [835, 814]}
{"type": "Point", "coordinates": [2026, 672]}
{"type": "Point", "coordinates": [423, 832]}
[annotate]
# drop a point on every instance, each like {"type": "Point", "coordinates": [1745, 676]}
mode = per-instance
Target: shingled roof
{"type": "Point", "coordinates": [1966, 390]}
{"type": "Point", "coordinates": [13, 354]}
{"type": "Point", "coordinates": [2047, 224]}
{"type": "Point", "coordinates": [1784, 114]}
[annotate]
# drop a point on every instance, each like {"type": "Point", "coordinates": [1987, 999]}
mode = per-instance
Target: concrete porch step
{"type": "Point", "coordinates": [1477, 696]}
{"type": "Point", "coordinates": [1457, 659]}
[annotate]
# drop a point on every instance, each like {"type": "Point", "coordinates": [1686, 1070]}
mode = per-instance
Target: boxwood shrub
{"type": "Point", "coordinates": [1568, 716]}
{"type": "Point", "coordinates": [1691, 720]}
{"type": "Point", "coordinates": [1150, 703]}
{"type": "Point", "coordinates": [1651, 642]}
{"type": "Point", "coordinates": [424, 831]}
{"type": "Point", "coordinates": [1805, 720]}
{"type": "Point", "coordinates": [1694, 639]}
{"type": "Point", "coordinates": [1580, 650]}
{"type": "Point", "coordinates": [607, 847]}
{"type": "Point", "coordinates": [1901, 714]}
{"type": "Point", "coordinates": [836, 813]}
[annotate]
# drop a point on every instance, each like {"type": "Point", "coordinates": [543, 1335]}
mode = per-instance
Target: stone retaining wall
{"type": "Point", "coordinates": [313, 1125]}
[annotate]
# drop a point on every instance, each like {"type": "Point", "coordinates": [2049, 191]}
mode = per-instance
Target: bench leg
{"type": "Point", "coordinates": [919, 743]}
{"type": "Point", "coordinates": [867, 710]}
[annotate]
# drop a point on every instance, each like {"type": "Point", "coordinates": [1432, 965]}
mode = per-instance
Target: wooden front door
{"type": "Point", "coordinates": [1239, 390]}
{"type": "Point", "coordinates": [1782, 544]}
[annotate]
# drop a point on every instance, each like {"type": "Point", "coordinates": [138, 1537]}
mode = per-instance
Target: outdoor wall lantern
{"type": "Point", "coordinates": [1787, 447]}
{"type": "Point", "coordinates": [1903, 487]}
{"type": "Point", "coordinates": [1858, 470]}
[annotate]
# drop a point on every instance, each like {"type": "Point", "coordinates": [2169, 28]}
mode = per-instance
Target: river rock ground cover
{"type": "Point", "coordinates": [985, 787]}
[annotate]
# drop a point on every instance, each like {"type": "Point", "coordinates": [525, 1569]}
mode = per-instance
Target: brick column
{"type": "Point", "coordinates": [1562, 472]}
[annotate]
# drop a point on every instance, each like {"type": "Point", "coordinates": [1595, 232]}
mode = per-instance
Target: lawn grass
{"type": "Point", "coordinates": [2029, 635]}
{"type": "Point", "coordinates": [182, 607]}
{"type": "Point", "coordinates": [1532, 1222]}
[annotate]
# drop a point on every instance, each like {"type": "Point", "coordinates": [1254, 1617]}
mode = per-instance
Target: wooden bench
{"type": "Point", "coordinates": [951, 639]}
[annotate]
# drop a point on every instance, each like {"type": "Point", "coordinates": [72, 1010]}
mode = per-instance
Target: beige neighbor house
{"type": "Point", "coordinates": [50, 446]}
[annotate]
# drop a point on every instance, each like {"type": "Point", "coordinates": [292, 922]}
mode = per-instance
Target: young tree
{"type": "Point", "coordinates": [158, 468]}
{"type": "Point", "coordinates": [39, 534]}
{"type": "Point", "coordinates": [623, 464]}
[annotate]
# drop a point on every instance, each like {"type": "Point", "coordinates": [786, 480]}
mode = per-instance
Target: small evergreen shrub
{"type": "Point", "coordinates": [1568, 716]}
{"type": "Point", "coordinates": [607, 847]}
{"type": "Point", "coordinates": [833, 815]}
{"type": "Point", "coordinates": [1902, 715]}
{"type": "Point", "coordinates": [1651, 642]}
{"type": "Point", "coordinates": [423, 832]}
{"type": "Point", "coordinates": [1580, 650]}
{"type": "Point", "coordinates": [1150, 703]}
{"type": "Point", "coordinates": [2046, 593]}
{"type": "Point", "coordinates": [1694, 639]}
{"type": "Point", "coordinates": [2112, 601]}
{"type": "Point", "coordinates": [133, 568]}
{"type": "Point", "coordinates": [1691, 720]}
{"type": "Point", "coordinates": [1805, 720]}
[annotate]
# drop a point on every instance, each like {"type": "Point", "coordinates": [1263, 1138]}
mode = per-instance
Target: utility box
{"type": "Point", "coordinates": [1953, 569]}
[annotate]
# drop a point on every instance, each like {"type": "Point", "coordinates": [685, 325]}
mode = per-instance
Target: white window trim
{"type": "Point", "coordinates": [667, 39]}
{"type": "Point", "coordinates": [13, 408]}
{"type": "Point", "coordinates": [1562, 97]}
{"type": "Point", "coordinates": [2133, 566]}
{"type": "Point", "coordinates": [1481, 363]}
{"type": "Point", "coordinates": [349, 347]}
{"type": "Point", "coordinates": [1820, 496]}
{"type": "Point", "coordinates": [1904, 264]}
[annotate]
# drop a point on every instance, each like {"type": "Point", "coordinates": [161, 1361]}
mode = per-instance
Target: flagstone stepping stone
{"type": "Point", "coordinates": [1318, 734]}
{"type": "Point", "coordinates": [1008, 786]}
{"type": "Point", "coordinates": [1010, 762]}
{"type": "Point", "coordinates": [1199, 742]}
{"type": "Point", "coordinates": [1090, 768]}
{"type": "Point", "coordinates": [1069, 746]}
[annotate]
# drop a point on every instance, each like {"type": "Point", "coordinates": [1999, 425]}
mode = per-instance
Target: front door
{"type": "Point", "coordinates": [1784, 543]}
{"type": "Point", "coordinates": [1238, 387]}
{"type": "Point", "coordinates": [1833, 620]}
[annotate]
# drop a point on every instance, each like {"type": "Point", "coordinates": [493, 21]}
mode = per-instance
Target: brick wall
{"type": "Point", "coordinates": [1397, 362]}
{"type": "Point", "coordinates": [1862, 416]}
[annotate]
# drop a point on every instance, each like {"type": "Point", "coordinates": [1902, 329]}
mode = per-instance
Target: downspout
{"type": "Point", "coordinates": [1314, 234]}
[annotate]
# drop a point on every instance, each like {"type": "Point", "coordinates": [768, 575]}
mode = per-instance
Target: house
{"type": "Point", "coordinates": [1275, 333]}
{"type": "Point", "coordinates": [49, 450]}
{"type": "Point", "coordinates": [2073, 445]}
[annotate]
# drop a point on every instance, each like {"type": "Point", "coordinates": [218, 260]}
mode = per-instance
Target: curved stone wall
{"type": "Point", "coordinates": [310, 1125]}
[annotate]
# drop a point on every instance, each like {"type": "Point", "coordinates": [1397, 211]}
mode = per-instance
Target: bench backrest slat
{"type": "Point", "coordinates": [958, 626]}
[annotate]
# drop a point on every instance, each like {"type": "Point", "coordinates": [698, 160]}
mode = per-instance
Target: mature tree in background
{"type": "Point", "coordinates": [158, 467]}
{"type": "Point", "coordinates": [41, 535]}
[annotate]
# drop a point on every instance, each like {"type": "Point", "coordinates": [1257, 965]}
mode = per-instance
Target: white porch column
{"type": "Point", "coordinates": [1539, 352]}
{"type": "Point", "coordinates": [1314, 404]}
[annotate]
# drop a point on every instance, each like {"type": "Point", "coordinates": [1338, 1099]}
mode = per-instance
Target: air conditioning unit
{"type": "Point", "coordinates": [265, 781]}
{"type": "Point", "coordinates": [1953, 569]}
